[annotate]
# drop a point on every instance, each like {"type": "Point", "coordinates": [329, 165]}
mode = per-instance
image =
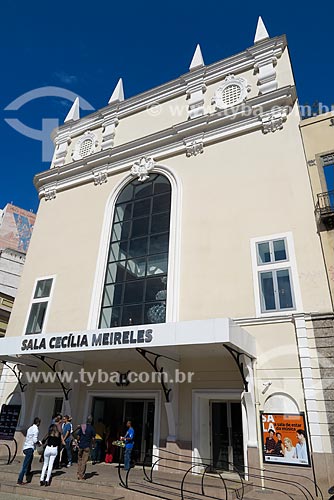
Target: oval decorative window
{"type": "Point", "coordinates": [232, 91]}
{"type": "Point", "coordinates": [85, 146]}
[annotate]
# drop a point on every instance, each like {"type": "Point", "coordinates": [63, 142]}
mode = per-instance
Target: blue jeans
{"type": "Point", "coordinates": [127, 458]}
{"type": "Point", "coordinates": [26, 466]}
{"type": "Point", "coordinates": [68, 450]}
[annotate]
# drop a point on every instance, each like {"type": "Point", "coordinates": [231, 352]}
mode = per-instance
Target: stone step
{"type": "Point", "coordinates": [99, 485]}
{"type": "Point", "coordinates": [14, 496]}
{"type": "Point", "coordinates": [259, 494]}
{"type": "Point", "coordinates": [63, 482]}
{"type": "Point", "coordinates": [52, 492]}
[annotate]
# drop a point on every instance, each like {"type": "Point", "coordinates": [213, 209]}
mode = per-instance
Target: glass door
{"type": "Point", "coordinates": [329, 177]}
{"type": "Point", "coordinates": [237, 439]}
{"type": "Point", "coordinates": [141, 414]}
{"type": "Point", "coordinates": [226, 435]}
{"type": "Point", "coordinates": [148, 427]}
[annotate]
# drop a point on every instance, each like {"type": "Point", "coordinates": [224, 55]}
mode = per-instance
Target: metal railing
{"type": "Point", "coordinates": [325, 203]}
{"type": "Point", "coordinates": [11, 456]}
{"type": "Point", "coordinates": [229, 482]}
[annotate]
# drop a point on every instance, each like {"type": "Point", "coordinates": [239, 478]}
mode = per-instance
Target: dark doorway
{"type": "Point", "coordinates": [226, 435]}
{"type": "Point", "coordinates": [115, 412]}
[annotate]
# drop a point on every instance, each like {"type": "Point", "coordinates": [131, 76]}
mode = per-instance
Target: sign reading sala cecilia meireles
{"type": "Point", "coordinates": [79, 341]}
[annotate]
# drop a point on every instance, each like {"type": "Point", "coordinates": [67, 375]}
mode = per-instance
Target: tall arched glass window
{"type": "Point", "coordinates": [135, 287]}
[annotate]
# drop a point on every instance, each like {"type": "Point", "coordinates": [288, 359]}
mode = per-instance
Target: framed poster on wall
{"type": "Point", "coordinates": [284, 439]}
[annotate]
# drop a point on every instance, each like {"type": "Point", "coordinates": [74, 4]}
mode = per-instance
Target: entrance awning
{"type": "Point", "coordinates": [174, 338]}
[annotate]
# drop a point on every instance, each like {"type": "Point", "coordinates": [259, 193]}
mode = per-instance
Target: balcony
{"type": "Point", "coordinates": [324, 209]}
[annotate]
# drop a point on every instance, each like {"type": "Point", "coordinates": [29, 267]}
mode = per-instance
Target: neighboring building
{"type": "Point", "coordinates": [161, 217]}
{"type": "Point", "coordinates": [16, 227]}
{"type": "Point", "coordinates": [318, 138]}
{"type": "Point", "coordinates": [11, 264]}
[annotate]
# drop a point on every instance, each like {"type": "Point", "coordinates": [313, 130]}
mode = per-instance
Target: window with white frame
{"type": "Point", "coordinates": [135, 287]}
{"type": "Point", "coordinates": [39, 306]}
{"type": "Point", "coordinates": [274, 275]}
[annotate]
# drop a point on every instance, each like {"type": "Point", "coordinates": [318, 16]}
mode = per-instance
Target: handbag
{"type": "Point", "coordinates": [40, 449]}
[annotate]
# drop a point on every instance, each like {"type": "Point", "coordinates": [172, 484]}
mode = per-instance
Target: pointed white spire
{"type": "Point", "coordinates": [74, 112]}
{"type": "Point", "coordinates": [261, 31]}
{"type": "Point", "coordinates": [118, 94]}
{"type": "Point", "coordinates": [197, 60]}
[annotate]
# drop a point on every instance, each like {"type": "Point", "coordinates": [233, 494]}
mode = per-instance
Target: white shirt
{"type": "Point", "coordinates": [290, 453]}
{"type": "Point", "coordinates": [31, 437]}
{"type": "Point", "coordinates": [301, 452]}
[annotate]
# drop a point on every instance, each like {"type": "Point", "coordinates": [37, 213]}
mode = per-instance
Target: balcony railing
{"type": "Point", "coordinates": [325, 209]}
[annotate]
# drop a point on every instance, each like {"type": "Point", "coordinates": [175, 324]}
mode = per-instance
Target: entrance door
{"type": "Point", "coordinates": [116, 411]}
{"type": "Point", "coordinates": [141, 413]}
{"type": "Point", "coordinates": [226, 435]}
{"type": "Point", "coordinates": [47, 407]}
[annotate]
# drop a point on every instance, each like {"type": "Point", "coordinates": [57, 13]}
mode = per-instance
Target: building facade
{"type": "Point", "coordinates": [176, 230]}
{"type": "Point", "coordinates": [318, 139]}
{"type": "Point", "coordinates": [16, 226]}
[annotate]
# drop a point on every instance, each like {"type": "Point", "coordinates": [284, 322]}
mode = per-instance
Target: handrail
{"type": "Point", "coordinates": [124, 484]}
{"type": "Point", "coordinates": [206, 465]}
{"type": "Point", "coordinates": [189, 470]}
{"type": "Point", "coordinates": [193, 465]}
{"type": "Point", "coordinates": [291, 483]}
{"type": "Point", "coordinates": [9, 461]}
{"type": "Point", "coordinates": [286, 481]}
{"type": "Point", "coordinates": [314, 483]}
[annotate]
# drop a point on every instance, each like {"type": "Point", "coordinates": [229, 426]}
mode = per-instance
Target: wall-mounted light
{"type": "Point", "coordinates": [266, 386]}
{"type": "Point", "coordinates": [123, 380]}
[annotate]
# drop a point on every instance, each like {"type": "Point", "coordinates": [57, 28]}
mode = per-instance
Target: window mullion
{"type": "Point", "coordinates": [272, 253]}
{"type": "Point", "coordinates": [276, 290]}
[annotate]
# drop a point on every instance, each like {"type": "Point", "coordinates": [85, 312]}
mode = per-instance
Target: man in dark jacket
{"type": "Point", "coordinates": [86, 436]}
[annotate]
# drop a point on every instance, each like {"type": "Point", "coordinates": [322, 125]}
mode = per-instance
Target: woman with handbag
{"type": "Point", "coordinates": [53, 442]}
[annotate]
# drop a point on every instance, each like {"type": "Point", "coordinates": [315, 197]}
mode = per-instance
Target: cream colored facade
{"type": "Point", "coordinates": [238, 177]}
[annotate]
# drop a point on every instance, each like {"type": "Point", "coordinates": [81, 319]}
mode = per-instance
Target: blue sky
{"type": "Point", "coordinates": [86, 46]}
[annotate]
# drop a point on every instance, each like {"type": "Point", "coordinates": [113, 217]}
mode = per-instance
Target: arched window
{"type": "Point", "coordinates": [135, 286]}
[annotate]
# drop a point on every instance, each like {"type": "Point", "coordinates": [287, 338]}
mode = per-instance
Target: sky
{"type": "Point", "coordinates": [85, 47]}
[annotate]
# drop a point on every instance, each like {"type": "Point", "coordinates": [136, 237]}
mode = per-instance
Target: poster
{"type": "Point", "coordinates": [284, 439]}
{"type": "Point", "coordinates": [9, 418]}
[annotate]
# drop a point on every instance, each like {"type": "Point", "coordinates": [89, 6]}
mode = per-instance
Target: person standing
{"type": "Point", "coordinates": [53, 443]}
{"type": "Point", "coordinates": [301, 446]}
{"type": "Point", "coordinates": [129, 442]}
{"type": "Point", "coordinates": [289, 449]}
{"type": "Point", "coordinates": [67, 438]}
{"type": "Point", "coordinates": [28, 450]}
{"type": "Point", "coordinates": [85, 436]}
{"type": "Point", "coordinates": [279, 448]}
{"type": "Point", "coordinates": [100, 430]}
{"type": "Point", "coordinates": [270, 442]}
{"type": "Point", "coordinates": [59, 424]}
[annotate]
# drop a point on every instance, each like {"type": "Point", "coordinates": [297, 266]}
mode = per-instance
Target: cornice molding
{"type": "Point", "coordinates": [210, 74]}
{"type": "Point", "coordinates": [264, 112]}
